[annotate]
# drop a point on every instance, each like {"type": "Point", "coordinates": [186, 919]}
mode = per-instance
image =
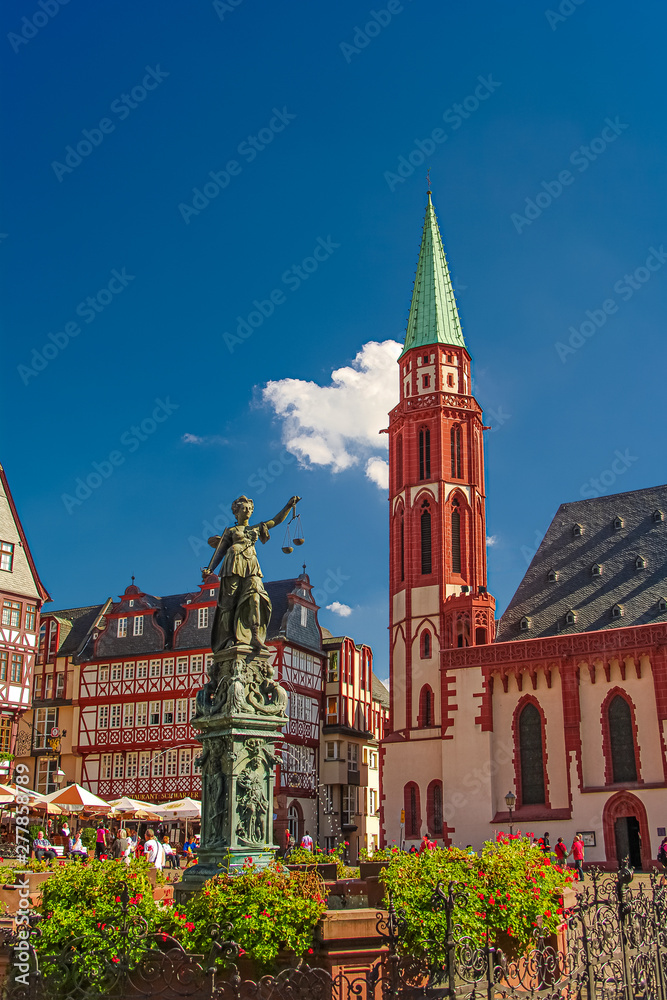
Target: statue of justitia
{"type": "Point", "coordinates": [244, 608]}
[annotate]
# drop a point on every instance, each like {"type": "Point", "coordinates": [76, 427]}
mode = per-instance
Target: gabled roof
{"type": "Point", "coordinates": [380, 692]}
{"type": "Point", "coordinates": [434, 317]}
{"type": "Point", "coordinates": [615, 531]}
{"type": "Point", "coordinates": [12, 513]}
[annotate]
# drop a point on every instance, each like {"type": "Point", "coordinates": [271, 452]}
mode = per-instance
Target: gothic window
{"type": "Point", "coordinates": [434, 808]}
{"type": "Point", "coordinates": [401, 545]}
{"type": "Point", "coordinates": [426, 707]}
{"type": "Point", "coordinates": [425, 525]}
{"type": "Point", "coordinates": [424, 453]}
{"type": "Point", "coordinates": [531, 755]}
{"type": "Point", "coordinates": [450, 381]}
{"type": "Point", "coordinates": [455, 439]}
{"type": "Point", "coordinates": [480, 636]}
{"type": "Point", "coordinates": [621, 740]}
{"type": "Point", "coordinates": [426, 381]}
{"type": "Point", "coordinates": [456, 537]}
{"type": "Point", "coordinates": [412, 811]}
{"type": "Point", "coordinates": [425, 645]}
{"type": "Point", "coordinates": [399, 461]}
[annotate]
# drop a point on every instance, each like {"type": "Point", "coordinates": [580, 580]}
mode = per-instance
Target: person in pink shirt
{"type": "Point", "coordinates": [578, 856]}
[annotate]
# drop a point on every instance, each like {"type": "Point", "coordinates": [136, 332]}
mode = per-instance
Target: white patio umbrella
{"type": "Point", "coordinates": [75, 798]}
{"type": "Point", "coordinates": [186, 809]}
{"type": "Point", "coordinates": [133, 808]}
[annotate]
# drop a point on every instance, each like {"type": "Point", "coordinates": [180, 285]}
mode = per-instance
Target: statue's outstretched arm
{"type": "Point", "coordinates": [220, 548]}
{"type": "Point", "coordinates": [281, 515]}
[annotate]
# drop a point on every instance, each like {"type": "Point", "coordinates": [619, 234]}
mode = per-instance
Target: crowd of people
{"type": "Point", "coordinates": [153, 844]}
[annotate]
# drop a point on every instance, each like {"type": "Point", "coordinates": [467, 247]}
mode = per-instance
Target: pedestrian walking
{"type": "Point", "coordinates": [101, 840]}
{"type": "Point", "coordinates": [561, 851]}
{"type": "Point", "coordinates": [307, 841]}
{"type": "Point", "coordinates": [153, 850]}
{"type": "Point", "coordinates": [578, 856]}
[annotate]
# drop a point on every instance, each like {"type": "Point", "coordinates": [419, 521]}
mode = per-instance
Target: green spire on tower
{"type": "Point", "coordinates": [434, 318]}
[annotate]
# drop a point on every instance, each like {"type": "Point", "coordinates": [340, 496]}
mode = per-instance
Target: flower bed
{"type": "Point", "coordinates": [512, 889]}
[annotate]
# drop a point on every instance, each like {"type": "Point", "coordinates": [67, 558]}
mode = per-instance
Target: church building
{"type": "Point", "coordinates": [560, 707]}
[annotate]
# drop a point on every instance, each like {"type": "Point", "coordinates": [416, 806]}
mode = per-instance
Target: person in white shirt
{"type": "Point", "coordinates": [171, 857]}
{"type": "Point", "coordinates": [153, 850]}
{"type": "Point", "coordinates": [307, 841]}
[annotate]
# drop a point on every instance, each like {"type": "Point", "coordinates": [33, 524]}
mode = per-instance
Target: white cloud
{"type": "Point", "coordinates": [491, 540]}
{"type": "Point", "coordinates": [195, 439]}
{"type": "Point", "coordinates": [377, 470]}
{"type": "Point", "coordinates": [338, 425]}
{"type": "Point", "coordinates": [344, 610]}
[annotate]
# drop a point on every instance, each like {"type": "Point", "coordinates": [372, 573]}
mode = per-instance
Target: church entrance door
{"type": "Point", "coordinates": [628, 840]}
{"type": "Point", "coordinates": [626, 832]}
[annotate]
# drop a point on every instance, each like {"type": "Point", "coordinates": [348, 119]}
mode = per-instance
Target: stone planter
{"type": "Point", "coordinates": [328, 870]}
{"type": "Point", "coordinates": [371, 869]}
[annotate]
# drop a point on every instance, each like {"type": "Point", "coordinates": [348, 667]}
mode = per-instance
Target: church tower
{"type": "Point", "coordinates": [438, 595]}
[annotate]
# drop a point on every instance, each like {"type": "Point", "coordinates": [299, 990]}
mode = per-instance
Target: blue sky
{"type": "Point", "coordinates": [304, 113]}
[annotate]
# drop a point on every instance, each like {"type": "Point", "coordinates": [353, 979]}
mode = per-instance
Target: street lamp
{"type": "Point", "coordinates": [510, 802]}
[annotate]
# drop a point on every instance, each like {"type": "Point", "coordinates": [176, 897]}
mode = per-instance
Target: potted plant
{"type": "Point", "coordinates": [271, 913]}
{"type": "Point", "coordinates": [501, 897]}
{"type": "Point", "coordinates": [328, 864]}
{"type": "Point", "coordinates": [371, 864]}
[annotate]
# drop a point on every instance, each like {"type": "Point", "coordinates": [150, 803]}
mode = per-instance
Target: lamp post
{"type": "Point", "coordinates": [510, 802]}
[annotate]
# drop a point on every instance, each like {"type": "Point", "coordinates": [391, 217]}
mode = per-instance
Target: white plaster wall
{"type": "Point", "coordinates": [425, 601]}
{"type": "Point", "coordinates": [431, 487]}
{"type": "Point", "coordinates": [399, 606]}
{"type": "Point", "coordinates": [398, 681]}
{"type": "Point", "coordinates": [415, 760]}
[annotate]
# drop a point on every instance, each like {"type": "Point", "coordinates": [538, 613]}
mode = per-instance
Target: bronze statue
{"type": "Point", "coordinates": [244, 608]}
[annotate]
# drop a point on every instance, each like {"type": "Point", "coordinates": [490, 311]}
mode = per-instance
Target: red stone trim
{"type": "Point", "coordinates": [633, 639]}
{"type": "Point", "coordinates": [606, 737]}
{"type": "Point", "coordinates": [619, 805]}
{"type": "Point", "coordinates": [526, 700]}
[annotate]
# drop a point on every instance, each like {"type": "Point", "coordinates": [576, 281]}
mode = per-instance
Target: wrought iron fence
{"type": "Point", "coordinates": [612, 946]}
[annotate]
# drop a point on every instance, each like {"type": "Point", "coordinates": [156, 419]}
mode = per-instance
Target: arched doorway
{"type": "Point", "coordinates": [626, 832]}
{"type": "Point", "coordinates": [295, 822]}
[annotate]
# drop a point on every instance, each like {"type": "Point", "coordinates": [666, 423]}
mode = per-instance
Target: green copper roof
{"type": "Point", "coordinates": [434, 318]}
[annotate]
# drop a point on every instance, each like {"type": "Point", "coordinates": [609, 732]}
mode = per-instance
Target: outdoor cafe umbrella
{"type": "Point", "coordinates": [186, 809]}
{"type": "Point", "coordinates": [133, 808]}
{"type": "Point", "coordinates": [74, 798]}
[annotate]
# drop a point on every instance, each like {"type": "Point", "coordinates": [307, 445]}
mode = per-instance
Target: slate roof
{"type": "Point", "coordinates": [380, 692]}
{"type": "Point", "coordinates": [285, 623]}
{"type": "Point", "coordinates": [638, 591]}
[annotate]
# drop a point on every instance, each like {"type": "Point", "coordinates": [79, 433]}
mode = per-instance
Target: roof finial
{"type": "Point", "coordinates": [133, 578]}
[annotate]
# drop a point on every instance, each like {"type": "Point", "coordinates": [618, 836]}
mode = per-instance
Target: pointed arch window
{"type": "Point", "coordinates": [426, 707]}
{"type": "Point", "coordinates": [425, 527]}
{"type": "Point", "coordinates": [425, 645]}
{"type": "Point", "coordinates": [455, 440]}
{"type": "Point", "coordinates": [399, 461]}
{"type": "Point", "coordinates": [531, 756]}
{"type": "Point", "coordinates": [621, 740]}
{"type": "Point", "coordinates": [456, 537]}
{"type": "Point", "coordinates": [424, 453]}
{"type": "Point", "coordinates": [412, 810]}
{"type": "Point", "coordinates": [434, 812]}
{"type": "Point", "coordinates": [401, 543]}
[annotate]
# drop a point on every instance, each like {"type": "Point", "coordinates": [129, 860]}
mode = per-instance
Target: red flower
{"type": "Point", "coordinates": [189, 927]}
{"type": "Point", "coordinates": [310, 951]}
{"type": "Point", "coordinates": [547, 913]}
{"type": "Point", "coordinates": [115, 959]}
{"type": "Point", "coordinates": [117, 899]}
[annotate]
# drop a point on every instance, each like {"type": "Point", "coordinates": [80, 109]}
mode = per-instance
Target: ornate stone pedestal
{"type": "Point", "coordinates": [240, 713]}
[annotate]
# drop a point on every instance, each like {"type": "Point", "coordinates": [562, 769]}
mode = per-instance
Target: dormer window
{"type": "Point", "coordinates": [552, 575]}
{"type": "Point", "coordinates": [640, 562]}
{"type": "Point", "coordinates": [131, 604]}
{"type": "Point", "coordinates": [577, 530]}
{"type": "Point", "coordinates": [571, 618]}
{"type": "Point", "coordinates": [138, 625]}
{"type": "Point", "coordinates": [617, 611]}
{"type": "Point", "coordinates": [658, 516]}
{"type": "Point", "coordinates": [662, 604]}
{"type": "Point", "coordinates": [618, 523]}
{"type": "Point", "coordinates": [524, 624]}
{"type": "Point", "coordinates": [211, 593]}
{"type": "Point", "coordinates": [596, 569]}
{"type": "Point", "coordinates": [122, 628]}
